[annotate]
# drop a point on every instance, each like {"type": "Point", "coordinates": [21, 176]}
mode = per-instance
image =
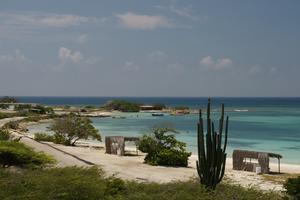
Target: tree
{"type": "Point", "coordinates": [122, 105]}
{"type": "Point", "coordinates": [8, 99]}
{"type": "Point", "coordinates": [162, 148]}
{"type": "Point", "coordinates": [71, 128]}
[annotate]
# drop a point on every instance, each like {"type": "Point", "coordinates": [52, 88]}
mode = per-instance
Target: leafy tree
{"type": "Point", "coordinates": [8, 99]}
{"type": "Point", "coordinates": [71, 128]}
{"type": "Point", "coordinates": [162, 148]}
{"type": "Point", "coordinates": [4, 106]}
{"type": "Point", "coordinates": [122, 105]}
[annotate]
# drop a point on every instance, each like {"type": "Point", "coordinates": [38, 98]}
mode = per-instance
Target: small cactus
{"type": "Point", "coordinates": [211, 155]}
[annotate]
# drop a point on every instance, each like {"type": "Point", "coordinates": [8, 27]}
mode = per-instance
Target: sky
{"type": "Point", "coordinates": [229, 48]}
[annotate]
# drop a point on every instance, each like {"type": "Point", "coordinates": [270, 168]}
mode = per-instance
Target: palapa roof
{"type": "Point", "coordinates": [254, 154]}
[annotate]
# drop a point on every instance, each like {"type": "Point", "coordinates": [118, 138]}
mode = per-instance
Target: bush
{"type": "Point", "coordinates": [17, 154]}
{"type": "Point", "coordinates": [163, 149]}
{"type": "Point", "coordinates": [4, 134]}
{"type": "Point", "coordinates": [123, 106]}
{"type": "Point", "coordinates": [43, 137]}
{"type": "Point", "coordinates": [90, 184]}
{"type": "Point", "coordinates": [8, 99]}
{"type": "Point", "coordinates": [292, 186]}
{"type": "Point", "coordinates": [7, 115]}
{"type": "Point", "coordinates": [4, 106]}
{"type": "Point", "coordinates": [12, 125]}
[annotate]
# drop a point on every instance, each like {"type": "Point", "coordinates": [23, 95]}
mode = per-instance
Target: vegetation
{"type": "Point", "coordinates": [43, 137]}
{"type": "Point", "coordinates": [38, 109]}
{"type": "Point", "coordinates": [122, 105]}
{"type": "Point", "coordinates": [8, 99]}
{"type": "Point", "coordinates": [4, 106]}
{"type": "Point", "coordinates": [181, 108]}
{"type": "Point", "coordinates": [7, 115]}
{"type": "Point", "coordinates": [162, 148]}
{"type": "Point", "coordinates": [211, 156]}
{"type": "Point", "coordinates": [17, 154]}
{"type": "Point", "coordinates": [90, 107]}
{"type": "Point", "coordinates": [71, 128]}
{"type": "Point", "coordinates": [4, 134]}
{"type": "Point", "coordinates": [36, 118]}
{"type": "Point", "coordinates": [90, 184]}
{"type": "Point", "coordinates": [12, 125]}
{"type": "Point", "coordinates": [292, 187]}
{"type": "Point", "coordinates": [159, 106]}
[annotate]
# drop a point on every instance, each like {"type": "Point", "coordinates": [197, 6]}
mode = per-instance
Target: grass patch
{"type": "Point", "coordinates": [4, 135]}
{"type": "Point", "coordinates": [17, 154]}
{"type": "Point", "coordinates": [43, 137]}
{"type": "Point", "coordinates": [7, 115]}
{"type": "Point", "coordinates": [91, 183]}
{"type": "Point", "coordinates": [279, 178]}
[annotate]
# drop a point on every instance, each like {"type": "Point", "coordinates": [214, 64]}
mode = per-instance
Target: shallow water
{"type": "Point", "coordinates": [260, 124]}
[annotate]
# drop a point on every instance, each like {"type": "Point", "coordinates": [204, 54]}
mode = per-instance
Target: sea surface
{"type": "Point", "coordinates": [260, 124]}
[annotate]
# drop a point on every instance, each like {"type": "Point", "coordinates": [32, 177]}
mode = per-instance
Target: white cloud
{"type": "Point", "coordinates": [157, 55]}
{"type": "Point", "coordinates": [130, 66]}
{"type": "Point", "coordinates": [255, 69]}
{"type": "Point", "coordinates": [143, 22]}
{"type": "Point", "coordinates": [186, 12]}
{"type": "Point", "coordinates": [82, 38]}
{"type": "Point", "coordinates": [17, 58]}
{"type": "Point", "coordinates": [66, 55]}
{"type": "Point", "coordinates": [222, 63]}
{"type": "Point", "coordinates": [43, 19]}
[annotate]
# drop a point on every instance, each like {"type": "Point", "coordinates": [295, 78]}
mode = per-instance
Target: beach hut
{"type": "Point", "coordinates": [253, 161]}
{"type": "Point", "coordinates": [116, 144]}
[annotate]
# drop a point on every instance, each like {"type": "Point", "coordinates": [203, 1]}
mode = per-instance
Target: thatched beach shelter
{"type": "Point", "coordinates": [250, 160]}
{"type": "Point", "coordinates": [116, 144]}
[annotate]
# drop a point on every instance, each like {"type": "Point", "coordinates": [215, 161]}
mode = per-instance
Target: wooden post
{"type": "Point", "coordinates": [279, 165]}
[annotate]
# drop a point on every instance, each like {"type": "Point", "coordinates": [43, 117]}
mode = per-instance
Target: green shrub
{"type": "Point", "coordinates": [4, 106]}
{"type": "Point", "coordinates": [163, 148]}
{"type": "Point", "coordinates": [122, 105]}
{"type": "Point", "coordinates": [292, 186]}
{"type": "Point", "coordinates": [7, 99]}
{"type": "Point", "coordinates": [7, 115]}
{"type": "Point", "coordinates": [12, 125]}
{"type": "Point", "coordinates": [4, 134]}
{"type": "Point", "coordinates": [43, 137]}
{"type": "Point", "coordinates": [17, 154]}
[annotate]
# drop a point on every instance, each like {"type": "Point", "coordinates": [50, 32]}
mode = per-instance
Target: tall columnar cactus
{"type": "Point", "coordinates": [211, 155]}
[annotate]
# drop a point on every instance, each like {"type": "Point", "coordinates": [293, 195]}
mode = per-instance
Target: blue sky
{"type": "Point", "coordinates": [149, 48]}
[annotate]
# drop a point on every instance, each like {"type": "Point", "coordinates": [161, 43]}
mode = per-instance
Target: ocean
{"type": "Point", "coordinates": [260, 124]}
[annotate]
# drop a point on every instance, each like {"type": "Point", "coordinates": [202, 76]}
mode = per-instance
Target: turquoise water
{"type": "Point", "coordinates": [251, 130]}
{"type": "Point", "coordinates": [260, 124]}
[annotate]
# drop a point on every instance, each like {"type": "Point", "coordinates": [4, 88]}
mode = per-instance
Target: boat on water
{"type": "Point", "coordinates": [157, 114]}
